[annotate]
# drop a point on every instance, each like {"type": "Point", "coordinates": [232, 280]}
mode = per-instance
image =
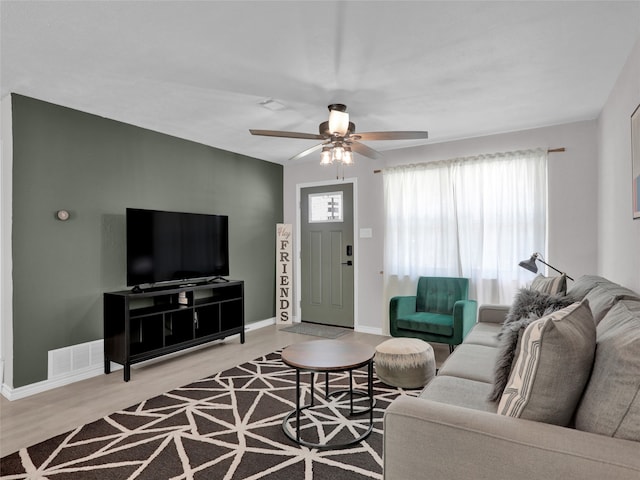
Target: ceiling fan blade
{"type": "Point", "coordinates": [364, 150]}
{"type": "Point", "coordinates": [278, 133]}
{"type": "Point", "coordinates": [392, 135]}
{"type": "Point", "coordinates": [308, 151]}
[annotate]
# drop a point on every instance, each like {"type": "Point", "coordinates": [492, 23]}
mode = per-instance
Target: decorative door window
{"type": "Point", "coordinates": [325, 207]}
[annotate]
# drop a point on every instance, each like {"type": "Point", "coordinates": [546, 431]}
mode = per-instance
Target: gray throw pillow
{"type": "Point", "coordinates": [552, 285]}
{"type": "Point", "coordinates": [528, 305]}
{"type": "Point", "coordinates": [552, 367]}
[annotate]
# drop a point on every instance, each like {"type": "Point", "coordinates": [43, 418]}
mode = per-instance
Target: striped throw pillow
{"type": "Point", "coordinates": [552, 366]}
{"type": "Point", "coordinates": [551, 285]}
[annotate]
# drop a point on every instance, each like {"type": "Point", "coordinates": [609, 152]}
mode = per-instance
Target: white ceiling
{"type": "Point", "coordinates": [199, 70]}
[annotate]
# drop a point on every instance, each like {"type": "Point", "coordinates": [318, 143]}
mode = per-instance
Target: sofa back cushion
{"type": "Point", "coordinates": [604, 296]}
{"type": "Point", "coordinates": [584, 284]}
{"type": "Point", "coordinates": [439, 294]}
{"type": "Point", "coordinates": [611, 401]}
{"type": "Point", "coordinates": [552, 366]}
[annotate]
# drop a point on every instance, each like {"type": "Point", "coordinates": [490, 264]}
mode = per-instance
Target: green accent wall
{"type": "Point", "coordinates": [95, 168]}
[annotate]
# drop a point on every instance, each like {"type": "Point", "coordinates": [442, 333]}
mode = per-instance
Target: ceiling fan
{"type": "Point", "coordinates": [339, 138]}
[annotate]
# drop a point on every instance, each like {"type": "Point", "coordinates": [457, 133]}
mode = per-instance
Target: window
{"type": "Point", "coordinates": [471, 217]}
{"type": "Point", "coordinates": [325, 207]}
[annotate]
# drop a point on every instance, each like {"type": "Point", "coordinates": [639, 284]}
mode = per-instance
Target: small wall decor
{"type": "Point", "coordinates": [635, 160]}
{"type": "Point", "coordinates": [284, 285]}
{"type": "Point", "coordinates": [62, 215]}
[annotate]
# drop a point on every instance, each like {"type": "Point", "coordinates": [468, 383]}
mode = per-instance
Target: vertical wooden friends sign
{"type": "Point", "coordinates": [284, 284]}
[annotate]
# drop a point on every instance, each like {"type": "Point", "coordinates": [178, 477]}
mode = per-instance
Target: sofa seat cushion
{"type": "Point", "coordinates": [611, 401]}
{"type": "Point", "coordinates": [484, 333]}
{"type": "Point", "coordinates": [552, 367]}
{"type": "Point", "coordinates": [460, 392]}
{"type": "Point", "coordinates": [426, 322]}
{"type": "Point", "coordinates": [474, 362]}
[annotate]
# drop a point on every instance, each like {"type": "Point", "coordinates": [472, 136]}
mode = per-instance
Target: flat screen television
{"type": "Point", "coordinates": [173, 246]}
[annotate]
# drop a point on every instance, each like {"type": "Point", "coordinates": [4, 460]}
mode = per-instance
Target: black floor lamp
{"type": "Point", "coordinates": [530, 264]}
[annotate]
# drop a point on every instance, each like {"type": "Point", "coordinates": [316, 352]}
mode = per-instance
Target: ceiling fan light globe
{"type": "Point", "coordinates": [338, 153]}
{"type": "Point", "coordinates": [338, 122]}
{"type": "Point", "coordinates": [325, 156]}
{"type": "Point", "coordinates": [347, 158]}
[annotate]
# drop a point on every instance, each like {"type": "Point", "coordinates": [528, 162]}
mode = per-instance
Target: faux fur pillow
{"type": "Point", "coordinates": [528, 305]}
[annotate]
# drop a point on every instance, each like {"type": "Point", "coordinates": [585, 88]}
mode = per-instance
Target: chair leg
{"type": "Point", "coordinates": [451, 348]}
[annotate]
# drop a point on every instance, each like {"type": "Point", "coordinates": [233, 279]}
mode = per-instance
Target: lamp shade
{"type": "Point", "coordinates": [530, 264]}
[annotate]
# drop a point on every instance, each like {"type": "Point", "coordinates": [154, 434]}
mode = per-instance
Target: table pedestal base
{"type": "Point", "coordinates": [294, 433]}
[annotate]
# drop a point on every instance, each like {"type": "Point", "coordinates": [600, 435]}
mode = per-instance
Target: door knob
{"type": "Point", "coordinates": [348, 262]}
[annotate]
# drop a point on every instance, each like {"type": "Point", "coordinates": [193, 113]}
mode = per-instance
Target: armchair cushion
{"type": "Point", "coordinates": [427, 323]}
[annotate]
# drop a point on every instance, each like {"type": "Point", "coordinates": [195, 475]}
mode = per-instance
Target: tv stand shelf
{"type": "Point", "coordinates": [150, 323]}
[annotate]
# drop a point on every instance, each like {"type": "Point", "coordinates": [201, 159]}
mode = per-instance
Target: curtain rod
{"type": "Point", "coordinates": [551, 150]}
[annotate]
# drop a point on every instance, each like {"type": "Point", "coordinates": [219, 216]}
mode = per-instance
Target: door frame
{"type": "Point", "coordinates": [297, 315]}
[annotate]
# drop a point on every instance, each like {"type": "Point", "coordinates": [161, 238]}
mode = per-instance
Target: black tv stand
{"type": "Point", "coordinates": [145, 324]}
{"type": "Point", "coordinates": [217, 279]}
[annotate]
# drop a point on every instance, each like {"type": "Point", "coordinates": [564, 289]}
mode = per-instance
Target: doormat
{"type": "Point", "coordinates": [316, 330]}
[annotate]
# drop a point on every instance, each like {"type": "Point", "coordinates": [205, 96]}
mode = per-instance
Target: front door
{"type": "Point", "coordinates": [326, 254]}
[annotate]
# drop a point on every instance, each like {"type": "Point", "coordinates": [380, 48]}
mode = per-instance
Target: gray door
{"type": "Point", "coordinates": [326, 254]}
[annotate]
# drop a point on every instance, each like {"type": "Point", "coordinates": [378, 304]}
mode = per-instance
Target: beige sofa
{"type": "Point", "coordinates": [452, 430]}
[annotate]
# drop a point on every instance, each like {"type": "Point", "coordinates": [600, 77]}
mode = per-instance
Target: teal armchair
{"type": "Point", "coordinates": [439, 312]}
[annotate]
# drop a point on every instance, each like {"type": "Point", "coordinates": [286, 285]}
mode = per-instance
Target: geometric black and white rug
{"type": "Point", "coordinates": [227, 426]}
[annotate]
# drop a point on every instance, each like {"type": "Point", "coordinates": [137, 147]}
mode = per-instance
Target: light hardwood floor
{"type": "Point", "coordinates": [33, 419]}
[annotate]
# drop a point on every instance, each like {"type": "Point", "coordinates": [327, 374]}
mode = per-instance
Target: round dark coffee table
{"type": "Point", "coordinates": [327, 356]}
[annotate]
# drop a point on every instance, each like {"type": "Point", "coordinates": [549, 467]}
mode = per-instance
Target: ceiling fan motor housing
{"type": "Point", "coordinates": [338, 107]}
{"type": "Point", "coordinates": [324, 129]}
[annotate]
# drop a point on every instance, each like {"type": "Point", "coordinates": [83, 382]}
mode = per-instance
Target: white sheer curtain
{"type": "Point", "coordinates": [474, 217]}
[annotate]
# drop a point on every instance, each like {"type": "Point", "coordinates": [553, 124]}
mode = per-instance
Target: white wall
{"type": "Point", "coordinates": [619, 234]}
{"type": "Point", "coordinates": [573, 200]}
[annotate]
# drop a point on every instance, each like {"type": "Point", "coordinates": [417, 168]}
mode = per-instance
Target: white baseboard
{"type": "Point", "coordinates": [371, 330]}
{"type": "Point", "coordinates": [260, 324]}
{"type": "Point", "coordinates": [11, 393]}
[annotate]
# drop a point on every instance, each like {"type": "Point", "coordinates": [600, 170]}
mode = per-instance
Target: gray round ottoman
{"type": "Point", "coordinates": [405, 362]}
